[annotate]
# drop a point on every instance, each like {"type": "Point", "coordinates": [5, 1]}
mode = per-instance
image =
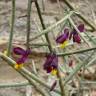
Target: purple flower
{"type": "Point", "coordinates": [76, 38]}
{"type": "Point", "coordinates": [75, 35]}
{"type": "Point", "coordinates": [60, 39]}
{"type": "Point", "coordinates": [80, 28]}
{"type": "Point", "coordinates": [24, 54]}
{"type": "Point", "coordinates": [18, 51]}
{"type": "Point", "coordinates": [51, 63]}
{"type": "Point", "coordinates": [22, 59]}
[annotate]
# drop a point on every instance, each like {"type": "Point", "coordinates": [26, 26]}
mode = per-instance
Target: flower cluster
{"type": "Point", "coordinates": [24, 55]}
{"type": "Point", "coordinates": [51, 63]}
{"type": "Point", "coordinates": [63, 38]}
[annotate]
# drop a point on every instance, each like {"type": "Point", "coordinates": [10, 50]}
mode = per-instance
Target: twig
{"type": "Point", "coordinates": [78, 67]}
{"type": "Point", "coordinates": [73, 24]}
{"type": "Point", "coordinates": [80, 15]}
{"type": "Point", "coordinates": [32, 82]}
{"type": "Point", "coordinates": [28, 22]}
{"type": "Point", "coordinates": [12, 28]}
{"type": "Point", "coordinates": [76, 52]}
{"type": "Point", "coordinates": [43, 25]}
{"type": "Point", "coordinates": [48, 29]}
{"type": "Point", "coordinates": [31, 75]}
{"type": "Point", "coordinates": [61, 83]}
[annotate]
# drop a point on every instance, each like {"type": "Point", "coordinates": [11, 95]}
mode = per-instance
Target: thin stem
{"type": "Point", "coordinates": [90, 38]}
{"type": "Point", "coordinates": [48, 29]}
{"type": "Point", "coordinates": [73, 24]}
{"type": "Point", "coordinates": [14, 84]}
{"type": "Point", "coordinates": [43, 25]}
{"type": "Point", "coordinates": [28, 22]}
{"type": "Point", "coordinates": [60, 83]}
{"type": "Point", "coordinates": [80, 15]}
{"type": "Point", "coordinates": [32, 82]}
{"type": "Point", "coordinates": [78, 67]}
{"type": "Point", "coordinates": [25, 71]}
{"type": "Point", "coordinates": [76, 52]}
{"type": "Point", "coordinates": [12, 28]}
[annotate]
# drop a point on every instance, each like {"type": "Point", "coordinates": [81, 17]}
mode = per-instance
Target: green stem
{"type": "Point", "coordinates": [43, 25]}
{"type": "Point", "coordinates": [28, 22]}
{"type": "Point", "coordinates": [31, 75]}
{"type": "Point", "coordinates": [76, 52]}
{"type": "Point", "coordinates": [80, 15]}
{"type": "Point", "coordinates": [78, 67]}
{"type": "Point", "coordinates": [36, 86]}
{"type": "Point", "coordinates": [73, 24]}
{"type": "Point", "coordinates": [12, 28]}
{"type": "Point", "coordinates": [14, 84]}
{"type": "Point", "coordinates": [60, 83]}
{"type": "Point", "coordinates": [48, 29]}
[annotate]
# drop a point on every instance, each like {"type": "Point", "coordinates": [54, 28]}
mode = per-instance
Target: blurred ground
{"type": "Point", "coordinates": [7, 74]}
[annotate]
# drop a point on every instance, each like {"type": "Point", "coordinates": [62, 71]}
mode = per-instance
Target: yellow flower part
{"type": "Point", "coordinates": [54, 72]}
{"type": "Point", "coordinates": [5, 52]}
{"type": "Point", "coordinates": [18, 66]}
{"type": "Point", "coordinates": [64, 44]}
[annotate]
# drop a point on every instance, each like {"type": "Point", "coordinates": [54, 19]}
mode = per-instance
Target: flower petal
{"type": "Point", "coordinates": [27, 52]}
{"type": "Point", "coordinates": [18, 51]}
{"type": "Point", "coordinates": [51, 62]}
{"type": "Point", "coordinates": [54, 72]}
{"type": "Point", "coordinates": [81, 27]}
{"type": "Point", "coordinates": [22, 59]}
{"type": "Point", "coordinates": [63, 37]}
{"type": "Point", "coordinates": [76, 38]}
{"type": "Point", "coordinates": [18, 66]}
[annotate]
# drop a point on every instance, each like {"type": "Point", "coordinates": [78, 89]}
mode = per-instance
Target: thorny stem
{"type": "Point", "coordinates": [28, 22]}
{"type": "Point", "coordinates": [12, 28]}
{"type": "Point", "coordinates": [14, 84]}
{"type": "Point", "coordinates": [43, 25]}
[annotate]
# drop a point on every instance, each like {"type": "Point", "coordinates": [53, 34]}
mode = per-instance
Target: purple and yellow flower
{"type": "Point", "coordinates": [63, 38]}
{"type": "Point", "coordinates": [75, 35]}
{"type": "Point", "coordinates": [51, 64]}
{"type": "Point", "coordinates": [24, 55]}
